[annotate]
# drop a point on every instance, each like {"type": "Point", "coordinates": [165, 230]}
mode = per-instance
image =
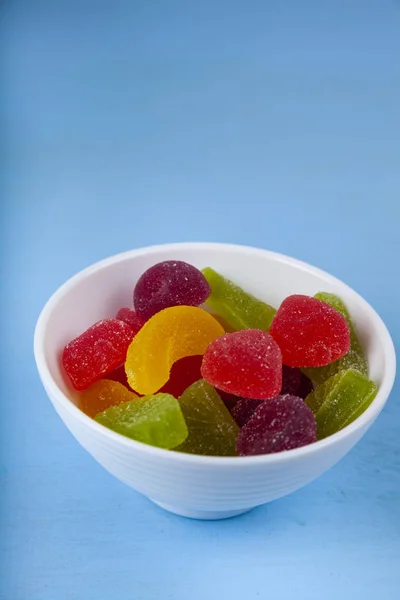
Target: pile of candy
{"type": "Point", "coordinates": [239, 381]}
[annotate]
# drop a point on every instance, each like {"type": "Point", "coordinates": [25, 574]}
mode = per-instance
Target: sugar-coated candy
{"type": "Point", "coordinates": [156, 420]}
{"type": "Point", "coordinates": [169, 283]}
{"type": "Point", "coordinates": [96, 352]}
{"type": "Point", "coordinates": [246, 363]}
{"type": "Point", "coordinates": [183, 373]}
{"type": "Point", "coordinates": [295, 383]}
{"type": "Point", "coordinates": [244, 410]}
{"type": "Point", "coordinates": [282, 423]}
{"type": "Point", "coordinates": [103, 394]}
{"type": "Point", "coordinates": [340, 400]}
{"type": "Point", "coordinates": [131, 318]}
{"type": "Point", "coordinates": [237, 308]}
{"type": "Point", "coordinates": [354, 359]}
{"type": "Point", "coordinates": [168, 336]}
{"type": "Point", "coordinates": [310, 333]}
{"type": "Point", "coordinates": [212, 431]}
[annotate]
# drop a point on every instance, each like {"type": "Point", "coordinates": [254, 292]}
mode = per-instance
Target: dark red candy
{"type": "Point", "coordinates": [169, 283]}
{"type": "Point", "coordinates": [245, 363]}
{"type": "Point", "coordinates": [295, 383]}
{"type": "Point", "coordinates": [229, 400]}
{"type": "Point", "coordinates": [282, 423]}
{"type": "Point", "coordinates": [183, 373]}
{"type": "Point", "coordinates": [131, 318]}
{"type": "Point", "coordinates": [310, 333]}
{"type": "Point", "coordinates": [244, 409]}
{"type": "Point", "coordinates": [291, 378]}
{"type": "Point", "coordinates": [306, 386]}
{"type": "Point", "coordinates": [96, 352]}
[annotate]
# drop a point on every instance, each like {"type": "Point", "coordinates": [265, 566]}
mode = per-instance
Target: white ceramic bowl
{"type": "Point", "coordinates": [200, 486]}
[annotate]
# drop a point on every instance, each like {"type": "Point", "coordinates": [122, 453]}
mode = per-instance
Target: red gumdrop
{"type": "Point", "coordinates": [282, 423]}
{"type": "Point", "coordinates": [131, 318]}
{"type": "Point", "coordinates": [295, 383]}
{"type": "Point", "coordinates": [96, 352]}
{"type": "Point", "coordinates": [184, 372]}
{"type": "Point", "coordinates": [169, 283]}
{"type": "Point", "coordinates": [244, 410]}
{"type": "Point", "coordinates": [310, 333]}
{"type": "Point", "coordinates": [245, 363]}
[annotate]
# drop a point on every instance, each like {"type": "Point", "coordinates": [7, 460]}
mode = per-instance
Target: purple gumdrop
{"type": "Point", "coordinates": [282, 423]}
{"type": "Point", "coordinates": [244, 410]}
{"type": "Point", "coordinates": [169, 283]}
{"type": "Point", "coordinates": [291, 377]}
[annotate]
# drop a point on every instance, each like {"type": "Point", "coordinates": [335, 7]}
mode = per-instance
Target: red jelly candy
{"type": "Point", "coordinates": [245, 363]}
{"type": "Point", "coordinates": [295, 383]}
{"type": "Point", "coordinates": [96, 352]}
{"type": "Point", "coordinates": [183, 373]}
{"type": "Point", "coordinates": [131, 318]}
{"type": "Point", "coordinates": [169, 283]}
{"type": "Point", "coordinates": [310, 333]}
{"type": "Point", "coordinates": [244, 409]}
{"type": "Point", "coordinates": [282, 423]}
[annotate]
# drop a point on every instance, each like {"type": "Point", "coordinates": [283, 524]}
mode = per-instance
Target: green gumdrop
{"type": "Point", "coordinates": [212, 431]}
{"type": "Point", "coordinates": [239, 309]}
{"type": "Point", "coordinates": [354, 359]}
{"type": "Point", "coordinates": [156, 420]}
{"type": "Point", "coordinates": [340, 401]}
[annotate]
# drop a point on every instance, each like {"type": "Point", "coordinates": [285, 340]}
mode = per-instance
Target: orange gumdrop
{"type": "Point", "coordinates": [168, 336]}
{"type": "Point", "coordinates": [103, 394]}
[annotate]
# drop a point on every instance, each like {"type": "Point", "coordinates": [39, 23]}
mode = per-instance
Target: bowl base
{"type": "Point", "coordinates": [205, 515]}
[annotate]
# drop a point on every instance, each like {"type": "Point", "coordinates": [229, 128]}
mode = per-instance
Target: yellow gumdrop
{"type": "Point", "coordinates": [103, 394]}
{"type": "Point", "coordinates": [169, 335]}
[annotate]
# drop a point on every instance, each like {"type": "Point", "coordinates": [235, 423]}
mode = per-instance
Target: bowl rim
{"type": "Point", "coordinates": [54, 391]}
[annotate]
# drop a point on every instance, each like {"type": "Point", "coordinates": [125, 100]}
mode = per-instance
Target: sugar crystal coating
{"type": "Point", "coordinates": [340, 400]}
{"type": "Point", "coordinates": [131, 318]}
{"type": "Point", "coordinates": [212, 431]}
{"type": "Point", "coordinates": [168, 336]}
{"type": "Point", "coordinates": [96, 352]}
{"type": "Point", "coordinates": [246, 363]}
{"type": "Point", "coordinates": [244, 410]}
{"type": "Point", "coordinates": [156, 420]}
{"type": "Point", "coordinates": [282, 423]}
{"type": "Point", "coordinates": [354, 359]}
{"type": "Point", "coordinates": [236, 307]}
{"type": "Point", "coordinates": [169, 283]}
{"type": "Point", "coordinates": [310, 333]}
{"type": "Point", "coordinates": [103, 394]}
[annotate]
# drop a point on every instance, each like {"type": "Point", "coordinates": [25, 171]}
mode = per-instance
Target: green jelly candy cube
{"type": "Point", "coordinates": [340, 401]}
{"type": "Point", "coordinates": [239, 309]}
{"type": "Point", "coordinates": [354, 359]}
{"type": "Point", "coordinates": [212, 431]}
{"type": "Point", "coordinates": [156, 420]}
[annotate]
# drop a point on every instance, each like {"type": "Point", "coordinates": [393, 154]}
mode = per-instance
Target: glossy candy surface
{"type": "Point", "coordinates": [168, 336]}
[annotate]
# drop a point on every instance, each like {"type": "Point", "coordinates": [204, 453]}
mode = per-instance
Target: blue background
{"type": "Point", "coordinates": [275, 124]}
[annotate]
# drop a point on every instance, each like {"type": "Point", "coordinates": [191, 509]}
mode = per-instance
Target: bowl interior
{"type": "Point", "coordinates": [101, 290]}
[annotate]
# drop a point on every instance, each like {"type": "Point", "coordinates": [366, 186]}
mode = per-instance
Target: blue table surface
{"type": "Point", "coordinates": [274, 124]}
